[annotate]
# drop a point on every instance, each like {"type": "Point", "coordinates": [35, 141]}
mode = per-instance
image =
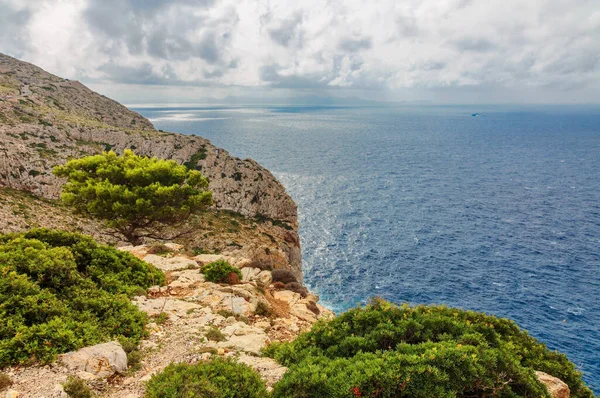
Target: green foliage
{"type": "Point", "coordinates": [384, 350]}
{"type": "Point", "coordinates": [161, 318]}
{"type": "Point", "coordinates": [219, 378]}
{"type": "Point", "coordinates": [214, 334]}
{"type": "Point", "coordinates": [192, 164]}
{"type": "Point", "coordinates": [137, 196]}
{"type": "Point", "coordinates": [159, 248]}
{"type": "Point", "coordinates": [263, 309]}
{"type": "Point", "coordinates": [76, 388]}
{"type": "Point", "coordinates": [61, 291]}
{"type": "Point", "coordinates": [218, 271]}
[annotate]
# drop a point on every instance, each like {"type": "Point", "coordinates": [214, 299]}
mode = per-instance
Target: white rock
{"type": "Point", "coordinates": [265, 278]}
{"type": "Point", "coordinates": [12, 394]}
{"type": "Point", "coordinates": [186, 278]}
{"type": "Point", "coordinates": [170, 264]}
{"type": "Point", "coordinates": [288, 296]}
{"type": "Point", "coordinates": [100, 360]}
{"type": "Point", "coordinates": [174, 246]}
{"type": "Point", "coordinates": [251, 343]}
{"type": "Point", "coordinates": [169, 305]}
{"type": "Point", "coordinates": [263, 325]}
{"type": "Point", "coordinates": [208, 258]}
{"type": "Point", "coordinates": [249, 274]}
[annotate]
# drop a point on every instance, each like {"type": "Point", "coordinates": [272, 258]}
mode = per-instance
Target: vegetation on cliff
{"type": "Point", "coordinates": [218, 378]}
{"type": "Point", "coordinates": [219, 271]}
{"type": "Point", "coordinates": [384, 350]}
{"type": "Point", "coordinates": [136, 196]}
{"type": "Point", "coordinates": [61, 291]}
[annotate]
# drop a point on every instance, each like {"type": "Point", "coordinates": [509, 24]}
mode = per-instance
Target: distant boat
{"type": "Point", "coordinates": [475, 114]}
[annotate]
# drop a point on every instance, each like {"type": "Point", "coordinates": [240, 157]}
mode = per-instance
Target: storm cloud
{"type": "Point", "coordinates": [395, 47]}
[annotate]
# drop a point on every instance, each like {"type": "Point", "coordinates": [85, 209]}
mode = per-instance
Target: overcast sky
{"type": "Point", "coordinates": [439, 50]}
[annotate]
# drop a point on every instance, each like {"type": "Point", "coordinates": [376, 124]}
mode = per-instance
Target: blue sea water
{"type": "Point", "coordinates": [498, 213]}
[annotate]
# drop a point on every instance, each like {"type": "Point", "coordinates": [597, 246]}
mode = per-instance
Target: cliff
{"type": "Point", "coordinates": [45, 120]}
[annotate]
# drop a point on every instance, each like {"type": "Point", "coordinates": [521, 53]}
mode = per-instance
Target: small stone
{"type": "Point", "coordinates": [265, 278]}
{"type": "Point", "coordinates": [221, 351]}
{"type": "Point", "coordinates": [206, 356]}
{"type": "Point", "coordinates": [12, 394]}
{"type": "Point", "coordinates": [263, 325]}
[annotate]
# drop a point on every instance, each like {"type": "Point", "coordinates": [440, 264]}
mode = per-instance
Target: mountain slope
{"type": "Point", "coordinates": [46, 120]}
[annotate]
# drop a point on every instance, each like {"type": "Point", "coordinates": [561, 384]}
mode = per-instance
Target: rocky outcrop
{"type": "Point", "coordinates": [62, 119]}
{"type": "Point", "coordinates": [556, 387]}
{"type": "Point", "coordinates": [194, 320]}
{"type": "Point", "coordinates": [101, 360]}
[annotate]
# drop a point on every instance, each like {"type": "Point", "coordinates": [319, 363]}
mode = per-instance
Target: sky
{"type": "Point", "coordinates": [441, 51]}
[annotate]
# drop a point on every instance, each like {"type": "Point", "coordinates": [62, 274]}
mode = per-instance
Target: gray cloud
{"type": "Point", "coordinates": [474, 44]}
{"type": "Point", "coordinates": [353, 45]}
{"type": "Point", "coordinates": [13, 37]}
{"type": "Point", "coordinates": [287, 31]}
{"type": "Point", "coordinates": [503, 45]}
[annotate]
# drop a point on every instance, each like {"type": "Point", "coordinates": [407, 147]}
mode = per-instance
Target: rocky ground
{"type": "Point", "coordinates": [193, 320]}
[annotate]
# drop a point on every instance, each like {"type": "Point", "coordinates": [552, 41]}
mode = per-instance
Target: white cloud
{"type": "Point", "coordinates": [398, 49]}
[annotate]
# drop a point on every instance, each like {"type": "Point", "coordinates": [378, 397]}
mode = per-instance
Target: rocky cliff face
{"type": "Point", "coordinates": [45, 120]}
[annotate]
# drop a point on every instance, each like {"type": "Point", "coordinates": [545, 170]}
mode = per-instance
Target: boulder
{"type": "Point", "coordinates": [102, 360]}
{"type": "Point", "coordinates": [265, 278]}
{"type": "Point", "coordinates": [170, 264]}
{"type": "Point", "coordinates": [556, 387]}
{"type": "Point", "coordinates": [249, 273]}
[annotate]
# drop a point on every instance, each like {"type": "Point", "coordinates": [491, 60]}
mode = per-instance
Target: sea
{"type": "Point", "coordinates": [487, 208]}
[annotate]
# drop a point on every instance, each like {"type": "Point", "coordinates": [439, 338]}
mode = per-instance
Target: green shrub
{"type": "Point", "coordinates": [214, 334]}
{"type": "Point", "coordinates": [218, 378]}
{"type": "Point", "coordinates": [76, 388]}
{"type": "Point", "coordinates": [159, 248]}
{"type": "Point", "coordinates": [62, 291]}
{"type": "Point", "coordinates": [161, 318]}
{"type": "Point", "coordinates": [384, 350]}
{"type": "Point", "coordinates": [219, 270]}
{"type": "Point", "coordinates": [263, 309]}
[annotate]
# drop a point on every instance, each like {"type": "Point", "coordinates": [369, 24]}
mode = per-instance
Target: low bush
{"type": "Point", "coordinates": [62, 291]}
{"type": "Point", "coordinates": [5, 381]}
{"type": "Point", "coordinates": [218, 271]}
{"type": "Point", "coordinates": [261, 264]}
{"type": "Point", "coordinates": [159, 248]}
{"type": "Point", "coordinates": [214, 334]}
{"type": "Point", "coordinates": [384, 350]}
{"type": "Point", "coordinates": [263, 309]}
{"type": "Point", "coordinates": [218, 378]}
{"type": "Point", "coordinates": [297, 288]}
{"type": "Point", "coordinates": [283, 276]}
{"type": "Point", "coordinates": [76, 388]}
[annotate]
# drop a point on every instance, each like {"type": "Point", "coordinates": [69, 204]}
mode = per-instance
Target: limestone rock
{"type": "Point", "coordinates": [270, 371]}
{"type": "Point", "coordinates": [251, 343]}
{"type": "Point", "coordinates": [265, 278]}
{"type": "Point", "coordinates": [169, 305]}
{"type": "Point", "coordinates": [100, 360]}
{"type": "Point", "coordinates": [186, 278]}
{"type": "Point", "coordinates": [556, 387]}
{"type": "Point", "coordinates": [249, 273]}
{"type": "Point", "coordinates": [170, 264]}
